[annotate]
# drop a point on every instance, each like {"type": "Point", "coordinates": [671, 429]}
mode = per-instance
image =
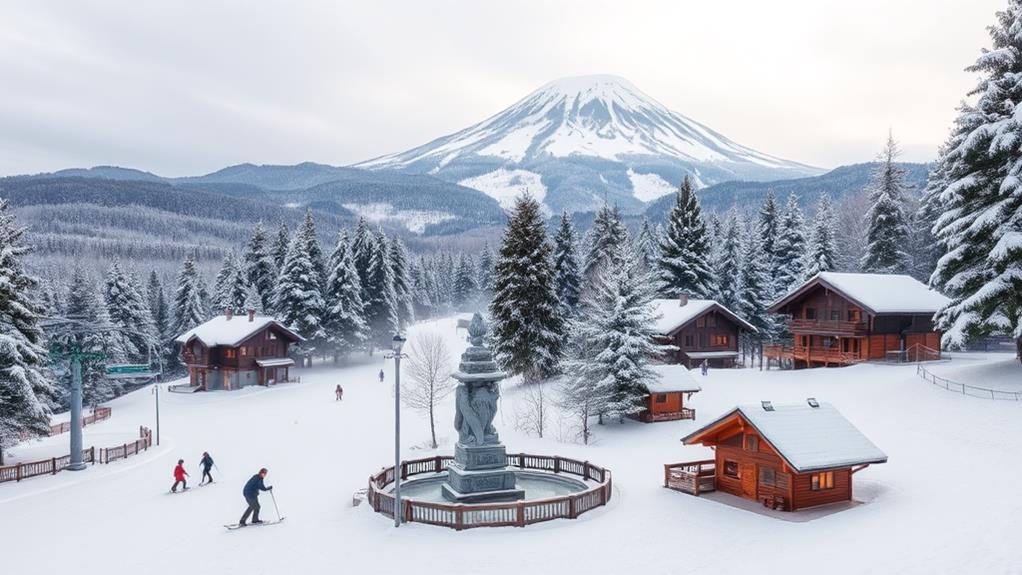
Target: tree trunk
{"type": "Point", "coordinates": [432, 426]}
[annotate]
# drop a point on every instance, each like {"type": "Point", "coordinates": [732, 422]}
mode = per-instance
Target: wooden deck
{"type": "Point", "coordinates": [828, 327]}
{"type": "Point", "coordinates": [692, 477]}
{"type": "Point", "coordinates": [650, 417]}
{"type": "Point", "coordinates": [804, 355]}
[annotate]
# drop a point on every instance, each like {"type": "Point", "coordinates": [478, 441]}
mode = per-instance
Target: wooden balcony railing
{"type": "Point", "coordinates": [683, 413]}
{"type": "Point", "coordinates": [693, 477]}
{"type": "Point", "coordinates": [825, 355]}
{"type": "Point", "coordinates": [823, 326]}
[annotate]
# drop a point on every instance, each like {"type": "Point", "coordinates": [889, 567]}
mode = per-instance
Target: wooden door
{"type": "Point", "coordinates": [748, 475]}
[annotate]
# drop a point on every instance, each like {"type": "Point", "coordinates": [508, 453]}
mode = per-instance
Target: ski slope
{"type": "Point", "coordinates": [926, 511]}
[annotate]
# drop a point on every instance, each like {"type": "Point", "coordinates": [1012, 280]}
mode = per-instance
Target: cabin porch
{"type": "Point", "coordinates": [693, 477]}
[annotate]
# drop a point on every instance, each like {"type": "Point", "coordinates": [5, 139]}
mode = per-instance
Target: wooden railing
{"type": "Point", "coordinates": [684, 413]}
{"type": "Point", "coordinates": [914, 354]}
{"type": "Point", "coordinates": [52, 465]}
{"type": "Point", "coordinates": [826, 326]}
{"type": "Point", "coordinates": [693, 477]}
{"type": "Point", "coordinates": [517, 514]}
{"type": "Point", "coordinates": [966, 389]}
{"type": "Point", "coordinates": [98, 414]}
{"type": "Point", "coordinates": [826, 355]}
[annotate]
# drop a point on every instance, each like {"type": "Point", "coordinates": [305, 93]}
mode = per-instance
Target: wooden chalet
{"type": "Point", "coordinates": [667, 396]}
{"type": "Point", "coordinates": [844, 318]}
{"type": "Point", "coordinates": [701, 329]}
{"type": "Point", "coordinates": [788, 456]}
{"type": "Point", "coordinates": [231, 352]}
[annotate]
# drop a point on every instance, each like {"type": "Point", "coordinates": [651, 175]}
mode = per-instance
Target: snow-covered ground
{"type": "Point", "coordinates": [945, 503]}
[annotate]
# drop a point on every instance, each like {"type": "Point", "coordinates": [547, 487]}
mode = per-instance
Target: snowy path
{"type": "Point", "coordinates": [929, 511]}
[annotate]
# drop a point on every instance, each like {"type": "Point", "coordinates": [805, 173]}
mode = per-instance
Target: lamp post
{"type": "Point", "coordinates": [396, 345]}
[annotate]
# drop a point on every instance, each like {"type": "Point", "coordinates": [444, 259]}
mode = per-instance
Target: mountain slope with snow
{"type": "Point", "coordinates": [587, 139]}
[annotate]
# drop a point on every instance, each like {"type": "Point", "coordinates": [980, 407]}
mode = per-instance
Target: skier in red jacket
{"type": "Point", "coordinates": [179, 476]}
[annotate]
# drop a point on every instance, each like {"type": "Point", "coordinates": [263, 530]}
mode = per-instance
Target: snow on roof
{"type": "Point", "coordinates": [673, 377]}
{"type": "Point", "coordinates": [808, 438]}
{"type": "Point", "coordinates": [674, 315]}
{"type": "Point", "coordinates": [882, 293]}
{"type": "Point", "coordinates": [223, 331]}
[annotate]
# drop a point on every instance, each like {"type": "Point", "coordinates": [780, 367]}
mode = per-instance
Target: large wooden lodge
{"type": "Point", "coordinates": [230, 352]}
{"type": "Point", "coordinates": [846, 318]}
{"type": "Point", "coordinates": [787, 456]}
{"type": "Point", "coordinates": [701, 330]}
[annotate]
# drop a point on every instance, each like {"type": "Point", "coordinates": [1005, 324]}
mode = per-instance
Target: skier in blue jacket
{"type": "Point", "coordinates": [251, 493]}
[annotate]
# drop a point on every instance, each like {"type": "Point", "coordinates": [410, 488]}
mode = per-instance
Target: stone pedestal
{"type": "Point", "coordinates": [480, 474]}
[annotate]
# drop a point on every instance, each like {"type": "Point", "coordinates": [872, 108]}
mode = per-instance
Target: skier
{"type": "Point", "coordinates": [251, 493]}
{"type": "Point", "coordinates": [207, 463]}
{"type": "Point", "coordinates": [381, 376]}
{"type": "Point", "coordinates": [179, 476]}
{"type": "Point", "coordinates": [705, 366]}
{"type": "Point", "coordinates": [339, 392]}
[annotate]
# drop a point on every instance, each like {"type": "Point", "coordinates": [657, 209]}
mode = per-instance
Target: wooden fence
{"type": "Point", "coordinates": [965, 389]}
{"type": "Point", "coordinates": [513, 514]}
{"type": "Point", "coordinates": [52, 465]}
{"type": "Point", "coordinates": [98, 414]}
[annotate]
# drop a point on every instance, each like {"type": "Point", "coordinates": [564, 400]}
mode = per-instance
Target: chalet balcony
{"type": "Point", "coordinates": [811, 355]}
{"type": "Point", "coordinates": [692, 477]}
{"type": "Point", "coordinates": [195, 359]}
{"type": "Point", "coordinates": [684, 413]}
{"type": "Point", "coordinates": [828, 327]}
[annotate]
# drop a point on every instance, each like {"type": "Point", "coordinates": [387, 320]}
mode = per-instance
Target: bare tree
{"type": "Point", "coordinates": [429, 373]}
{"type": "Point", "coordinates": [531, 411]}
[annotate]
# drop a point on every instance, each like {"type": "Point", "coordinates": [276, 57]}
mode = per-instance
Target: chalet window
{"type": "Point", "coordinates": [835, 315]}
{"type": "Point", "coordinates": [660, 398]}
{"type": "Point", "coordinates": [828, 342]}
{"type": "Point", "coordinates": [751, 443]}
{"type": "Point", "coordinates": [854, 315]}
{"type": "Point", "coordinates": [767, 477]}
{"type": "Point", "coordinates": [244, 351]}
{"type": "Point", "coordinates": [701, 321]}
{"type": "Point", "coordinates": [689, 341]}
{"type": "Point", "coordinates": [272, 335]}
{"type": "Point", "coordinates": [810, 313]}
{"type": "Point", "coordinates": [821, 481]}
{"type": "Point", "coordinates": [711, 321]}
{"type": "Point", "coordinates": [230, 353]}
{"type": "Point", "coordinates": [720, 340]}
{"type": "Point", "coordinates": [702, 339]}
{"type": "Point", "coordinates": [731, 469]}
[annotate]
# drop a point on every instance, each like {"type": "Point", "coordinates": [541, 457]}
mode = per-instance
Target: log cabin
{"type": "Point", "coordinates": [839, 319]}
{"type": "Point", "coordinates": [667, 395]}
{"type": "Point", "coordinates": [701, 330]}
{"type": "Point", "coordinates": [230, 352]}
{"type": "Point", "coordinates": [788, 456]}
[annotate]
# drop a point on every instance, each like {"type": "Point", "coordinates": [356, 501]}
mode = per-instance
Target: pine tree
{"type": "Point", "coordinates": [381, 305]}
{"type": "Point", "coordinates": [822, 254]}
{"type": "Point", "coordinates": [790, 248]}
{"type": "Point", "coordinates": [230, 289]}
{"type": "Point", "coordinates": [684, 266]}
{"type": "Point", "coordinates": [278, 251]}
{"type": "Point", "coordinates": [980, 229]}
{"type": "Point", "coordinates": [925, 247]}
{"type": "Point", "coordinates": [729, 262]}
{"type": "Point", "coordinates": [567, 279]}
{"type": "Point", "coordinates": [465, 283]}
{"type": "Point", "coordinates": [27, 392]}
{"type": "Point", "coordinates": [527, 327]}
{"type": "Point", "coordinates": [887, 227]}
{"type": "Point", "coordinates": [363, 246]}
{"type": "Point", "coordinates": [259, 266]}
{"type": "Point", "coordinates": [647, 244]}
{"type": "Point", "coordinates": [189, 309]}
{"type": "Point", "coordinates": [298, 299]}
{"type": "Point", "coordinates": [344, 321]}
{"type": "Point", "coordinates": [421, 290]}
{"type": "Point", "coordinates": [402, 284]}
{"type": "Point", "coordinates": [756, 291]}
{"type": "Point", "coordinates": [606, 241]}
{"type": "Point", "coordinates": [129, 311]}
{"type": "Point", "coordinates": [486, 262]}
{"type": "Point", "coordinates": [160, 312]}
{"type": "Point", "coordinates": [581, 394]}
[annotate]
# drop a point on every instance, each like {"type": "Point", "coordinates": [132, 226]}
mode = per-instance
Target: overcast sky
{"type": "Point", "coordinates": [183, 88]}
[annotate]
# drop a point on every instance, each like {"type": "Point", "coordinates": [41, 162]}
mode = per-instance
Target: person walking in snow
{"type": "Point", "coordinates": [207, 464]}
{"type": "Point", "coordinates": [705, 366]}
{"type": "Point", "coordinates": [179, 476]}
{"type": "Point", "coordinates": [251, 493]}
{"type": "Point", "coordinates": [381, 376]}
{"type": "Point", "coordinates": [339, 392]}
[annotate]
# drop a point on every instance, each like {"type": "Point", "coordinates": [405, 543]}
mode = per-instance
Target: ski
{"type": "Point", "coordinates": [234, 526]}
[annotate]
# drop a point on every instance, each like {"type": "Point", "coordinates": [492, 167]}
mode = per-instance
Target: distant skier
{"type": "Point", "coordinates": [251, 493]}
{"type": "Point", "coordinates": [381, 376]}
{"type": "Point", "coordinates": [339, 392]}
{"type": "Point", "coordinates": [705, 366]}
{"type": "Point", "coordinates": [179, 476]}
{"type": "Point", "coordinates": [207, 464]}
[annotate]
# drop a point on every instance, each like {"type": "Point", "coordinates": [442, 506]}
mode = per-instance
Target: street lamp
{"type": "Point", "coordinates": [396, 345]}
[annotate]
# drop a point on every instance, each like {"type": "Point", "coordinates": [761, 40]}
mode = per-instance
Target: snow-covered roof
{"type": "Point", "coordinates": [710, 354]}
{"type": "Point", "coordinates": [223, 331]}
{"type": "Point", "coordinates": [275, 362]}
{"type": "Point", "coordinates": [673, 378]}
{"type": "Point", "coordinates": [808, 438]}
{"type": "Point", "coordinates": [877, 293]}
{"type": "Point", "coordinates": [673, 315]}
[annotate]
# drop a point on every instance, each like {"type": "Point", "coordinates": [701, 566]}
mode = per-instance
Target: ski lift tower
{"type": "Point", "coordinates": [75, 356]}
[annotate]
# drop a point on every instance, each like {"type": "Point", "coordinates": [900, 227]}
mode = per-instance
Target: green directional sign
{"type": "Point", "coordinates": [123, 369]}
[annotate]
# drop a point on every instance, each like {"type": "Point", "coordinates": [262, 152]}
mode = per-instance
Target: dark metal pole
{"type": "Point", "coordinates": [76, 463]}
{"type": "Point", "coordinates": [157, 413]}
{"type": "Point", "coordinates": [397, 439]}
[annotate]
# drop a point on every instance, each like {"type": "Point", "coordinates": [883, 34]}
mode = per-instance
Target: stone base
{"type": "Point", "coordinates": [481, 485]}
{"type": "Point", "coordinates": [473, 457]}
{"type": "Point", "coordinates": [483, 497]}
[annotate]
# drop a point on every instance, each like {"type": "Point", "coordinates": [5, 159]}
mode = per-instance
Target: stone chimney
{"type": "Point", "coordinates": [228, 313]}
{"type": "Point", "coordinates": [251, 314]}
{"type": "Point", "coordinates": [683, 300]}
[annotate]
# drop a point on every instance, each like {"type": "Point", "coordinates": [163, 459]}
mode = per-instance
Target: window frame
{"type": "Point", "coordinates": [810, 313]}
{"type": "Point", "coordinates": [822, 481]}
{"type": "Point", "coordinates": [751, 443]}
{"type": "Point", "coordinates": [737, 469]}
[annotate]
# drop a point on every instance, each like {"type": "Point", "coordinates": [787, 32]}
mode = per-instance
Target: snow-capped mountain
{"type": "Point", "coordinates": [584, 139]}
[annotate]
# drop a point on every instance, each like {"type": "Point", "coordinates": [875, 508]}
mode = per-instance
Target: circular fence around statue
{"type": "Point", "coordinates": [514, 514]}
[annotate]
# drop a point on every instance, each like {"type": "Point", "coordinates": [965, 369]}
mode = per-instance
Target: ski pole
{"type": "Point", "coordinates": [275, 508]}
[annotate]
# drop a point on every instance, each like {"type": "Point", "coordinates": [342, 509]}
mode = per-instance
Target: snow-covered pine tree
{"type": "Point", "coordinates": [581, 395]}
{"type": "Point", "coordinates": [768, 227]}
{"type": "Point", "coordinates": [344, 322]}
{"type": "Point", "coordinates": [230, 289]}
{"type": "Point", "coordinates": [789, 248]}
{"type": "Point", "coordinates": [822, 253]}
{"type": "Point", "coordinates": [685, 266]}
{"type": "Point", "coordinates": [925, 248]}
{"type": "Point", "coordinates": [606, 241]}
{"type": "Point", "coordinates": [567, 278]}
{"type": "Point", "coordinates": [298, 298]}
{"type": "Point", "coordinates": [160, 312]}
{"type": "Point", "coordinates": [980, 228]}
{"type": "Point", "coordinates": [129, 311]}
{"type": "Point", "coordinates": [278, 251]}
{"type": "Point", "coordinates": [887, 224]}
{"type": "Point", "coordinates": [729, 261]}
{"type": "Point", "coordinates": [402, 283]}
{"type": "Point", "coordinates": [421, 297]}
{"type": "Point", "coordinates": [527, 326]}
{"type": "Point", "coordinates": [486, 262]}
{"type": "Point", "coordinates": [647, 244]}
{"type": "Point", "coordinates": [259, 266]}
{"type": "Point", "coordinates": [465, 290]}
{"type": "Point", "coordinates": [363, 246]}
{"type": "Point", "coordinates": [189, 309]}
{"type": "Point", "coordinates": [381, 306]}
{"type": "Point", "coordinates": [26, 388]}
{"type": "Point", "coordinates": [756, 291]}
